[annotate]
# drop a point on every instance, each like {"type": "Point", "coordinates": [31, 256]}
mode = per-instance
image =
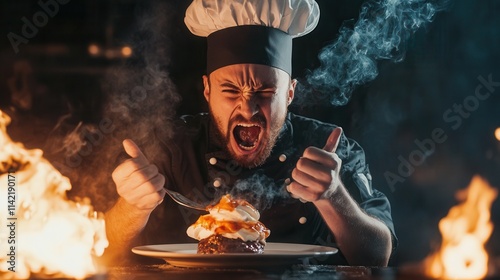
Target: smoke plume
{"type": "Point", "coordinates": [259, 190]}
{"type": "Point", "coordinates": [381, 32]}
{"type": "Point", "coordinates": [141, 103]}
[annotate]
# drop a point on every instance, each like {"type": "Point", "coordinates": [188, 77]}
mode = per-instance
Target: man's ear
{"type": "Point", "coordinates": [206, 87]}
{"type": "Point", "coordinates": [291, 91]}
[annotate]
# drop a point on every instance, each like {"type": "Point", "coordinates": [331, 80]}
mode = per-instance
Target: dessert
{"type": "Point", "coordinates": [232, 226]}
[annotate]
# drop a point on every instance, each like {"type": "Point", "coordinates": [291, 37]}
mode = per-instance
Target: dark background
{"type": "Point", "coordinates": [53, 75]}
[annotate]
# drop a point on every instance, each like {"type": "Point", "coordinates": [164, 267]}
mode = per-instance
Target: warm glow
{"type": "Point", "coordinates": [54, 236]}
{"type": "Point", "coordinates": [126, 51]}
{"type": "Point", "coordinates": [93, 49]}
{"type": "Point", "coordinates": [465, 230]}
{"type": "Point", "coordinates": [497, 134]}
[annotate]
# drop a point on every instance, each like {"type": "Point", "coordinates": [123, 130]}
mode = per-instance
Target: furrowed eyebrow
{"type": "Point", "coordinates": [229, 85]}
{"type": "Point", "coordinates": [266, 87]}
{"type": "Point", "coordinates": [255, 88]}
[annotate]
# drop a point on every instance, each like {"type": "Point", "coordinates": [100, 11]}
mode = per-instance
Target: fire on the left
{"type": "Point", "coordinates": [43, 232]}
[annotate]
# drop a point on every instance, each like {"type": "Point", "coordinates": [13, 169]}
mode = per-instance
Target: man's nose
{"type": "Point", "coordinates": [248, 106]}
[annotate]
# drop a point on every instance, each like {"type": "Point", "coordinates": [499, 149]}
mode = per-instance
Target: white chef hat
{"type": "Point", "coordinates": [251, 31]}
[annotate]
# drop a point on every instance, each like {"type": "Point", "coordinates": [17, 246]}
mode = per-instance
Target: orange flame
{"type": "Point", "coordinates": [49, 234]}
{"type": "Point", "coordinates": [465, 230]}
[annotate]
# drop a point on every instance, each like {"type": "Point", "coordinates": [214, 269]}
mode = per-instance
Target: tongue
{"type": "Point", "coordinates": [247, 136]}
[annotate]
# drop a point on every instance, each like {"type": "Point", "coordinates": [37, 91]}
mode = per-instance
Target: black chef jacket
{"type": "Point", "coordinates": [197, 166]}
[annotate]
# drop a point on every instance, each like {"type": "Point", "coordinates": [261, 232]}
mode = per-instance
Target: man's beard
{"type": "Point", "coordinates": [243, 160]}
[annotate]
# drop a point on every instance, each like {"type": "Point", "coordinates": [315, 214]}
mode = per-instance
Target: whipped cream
{"type": "Point", "coordinates": [231, 218]}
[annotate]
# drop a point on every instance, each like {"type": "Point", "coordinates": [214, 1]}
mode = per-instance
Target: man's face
{"type": "Point", "coordinates": [248, 105]}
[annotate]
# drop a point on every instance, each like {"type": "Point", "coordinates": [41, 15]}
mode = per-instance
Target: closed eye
{"type": "Point", "coordinates": [266, 93]}
{"type": "Point", "coordinates": [231, 91]}
{"type": "Point", "coordinates": [229, 88]}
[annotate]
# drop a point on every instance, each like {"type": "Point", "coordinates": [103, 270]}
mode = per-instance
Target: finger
{"type": "Point", "coordinates": [163, 192]}
{"type": "Point", "coordinates": [131, 171]}
{"type": "Point", "coordinates": [303, 192]}
{"type": "Point", "coordinates": [333, 140]}
{"type": "Point", "coordinates": [137, 192]}
{"type": "Point", "coordinates": [316, 180]}
{"type": "Point", "coordinates": [149, 201]}
{"type": "Point", "coordinates": [291, 193]}
{"type": "Point", "coordinates": [144, 174]}
{"type": "Point", "coordinates": [159, 182]}
{"type": "Point", "coordinates": [134, 151]}
{"type": "Point", "coordinates": [155, 193]}
{"type": "Point", "coordinates": [314, 158]}
{"type": "Point", "coordinates": [139, 181]}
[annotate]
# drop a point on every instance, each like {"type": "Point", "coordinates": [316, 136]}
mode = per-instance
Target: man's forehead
{"type": "Point", "coordinates": [248, 72]}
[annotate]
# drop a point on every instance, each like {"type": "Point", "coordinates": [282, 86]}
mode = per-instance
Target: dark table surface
{"type": "Point", "coordinates": [303, 269]}
{"type": "Point", "coordinates": [317, 272]}
{"type": "Point", "coordinates": [297, 271]}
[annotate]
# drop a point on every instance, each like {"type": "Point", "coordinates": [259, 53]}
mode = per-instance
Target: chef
{"type": "Point", "coordinates": [310, 182]}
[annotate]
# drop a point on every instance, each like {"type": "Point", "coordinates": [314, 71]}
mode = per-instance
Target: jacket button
{"type": "Point", "coordinates": [217, 183]}
{"type": "Point", "coordinates": [212, 161]}
{"type": "Point", "coordinates": [303, 220]}
{"type": "Point", "coordinates": [282, 157]}
{"type": "Point", "coordinates": [287, 181]}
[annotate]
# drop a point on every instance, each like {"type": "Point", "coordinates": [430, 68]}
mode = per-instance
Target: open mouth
{"type": "Point", "coordinates": [247, 135]}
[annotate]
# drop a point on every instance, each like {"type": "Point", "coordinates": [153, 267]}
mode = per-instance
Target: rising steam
{"type": "Point", "coordinates": [380, 33]}
{"type": "Point", "coordinates": [259, 190]}
{"type": "Point", "coordinates": [141, 103]}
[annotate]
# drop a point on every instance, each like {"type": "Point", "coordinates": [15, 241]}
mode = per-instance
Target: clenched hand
{"type": "Point", "coordinates": [316, 174]}
{"type": "Point", "coordinates": [137, 181]}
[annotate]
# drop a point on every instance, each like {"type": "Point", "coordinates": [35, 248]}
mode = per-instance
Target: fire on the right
{"type": "Point", "coordinates": [465, 230]}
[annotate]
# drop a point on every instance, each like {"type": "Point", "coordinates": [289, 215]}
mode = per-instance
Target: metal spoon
{"type": "Point", "coordinates": [184, 201]}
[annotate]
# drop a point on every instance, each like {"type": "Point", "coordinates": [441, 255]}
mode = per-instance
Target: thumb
{"type": "Point", "coordinates": [134, 151]}
{"type": "Point", "coordinates": [333, 140]}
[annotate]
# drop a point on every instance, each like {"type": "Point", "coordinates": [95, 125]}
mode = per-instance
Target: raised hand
{"type": "Point", "coordinates": [316, 174]}
{"type": "Point", "coordinates": [137, 181]}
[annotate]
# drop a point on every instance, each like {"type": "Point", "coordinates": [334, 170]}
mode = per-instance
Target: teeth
{"type": "Point", "coordinates": [247, 125]}
{"type": "Point", "coordinates": [248, 148]}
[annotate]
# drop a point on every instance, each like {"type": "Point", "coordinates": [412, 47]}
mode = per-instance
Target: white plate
{"type": "Point", "coordinates": [275, 254]}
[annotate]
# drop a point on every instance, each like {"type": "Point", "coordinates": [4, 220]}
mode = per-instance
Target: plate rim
{"type": "Point", "coordinates": [321, 250]}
